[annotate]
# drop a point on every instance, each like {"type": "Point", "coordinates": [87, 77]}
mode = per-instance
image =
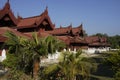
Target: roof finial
{"type": "Point", "coordinates": [46, 7]}
{"type": "Point", "coordinates": [8, 1]}
{"type": "Point", "coordinates": [60, 26]}
{"type": "Point", "coordinates": [81, 24]}
{"type": "Point", "coordinates": [17, 13]}
{"type": "Point", "coordinates": [71, 24]}
{"type": "Point", "coordinates": [46, 10]}
{"type": "Point", "coordinates": [7, 5]}
{"type": "Point", "coordinates": [18, 16]}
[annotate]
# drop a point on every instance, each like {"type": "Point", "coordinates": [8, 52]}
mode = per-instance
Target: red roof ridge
{"type": "Point", "coordinates": [38, 19]}
{"type": "Point", "coordinates": [7, 5]}
{"type": "Point", "coordinates": [32, 17]}
{"type": "Point", "coordinates": [69, 26]}
{"type": "Point", "coordinates": [62, 28]}
{"type": "Point", "coordinates": [4, 29]}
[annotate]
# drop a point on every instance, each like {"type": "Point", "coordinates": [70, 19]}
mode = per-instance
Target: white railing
{"type": "Point", "coordinates": [95, 50]}
{"type": "Point", "coordinates": [53, 58]}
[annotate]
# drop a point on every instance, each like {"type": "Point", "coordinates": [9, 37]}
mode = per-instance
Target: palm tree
{"type": "Point", "coordinates": [15, 45]}
{"type": "Point", "coordinates": [70, 66]}
{"type": "Point", "coordinates": [29, 51]}
{"type": "Point", "coordinates": [54, 44]}
{"type": "Point", "coordinates": [43, 47]}
{"type": "Point", "coordinates": [38, 48]}
{"type": "Point", "coordinates": [14, 42]}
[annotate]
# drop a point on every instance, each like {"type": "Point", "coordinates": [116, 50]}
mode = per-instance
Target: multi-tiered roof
{"type": "Point", "coordinates": [43, 26]}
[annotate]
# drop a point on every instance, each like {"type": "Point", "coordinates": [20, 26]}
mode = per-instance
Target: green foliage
{"type": "Point", "coordinates": [51, 69]}
{"type": "Point", "coordinates": [17, 75]}
{"type": "Point", "coordinates": [114, 61]}
{"type": "Point", "coordinates": [117, 75]}
{"type": "Point", "coordinates": [76, 64]}
{"type": "Point", "coordinates": [70, 65]}
{"type": "Point", "coordinates": [100, 35]}
{"type": "Point", "coordinates": [23, 52]}
{"type": "Point", "coordinates": [114, 41]}
{"type": "Point", "coordinates": [53, 44]}
{"type": "Point", "coordinates": [11, 61]}
{"type": "Point", "coordinates": [45, 46]}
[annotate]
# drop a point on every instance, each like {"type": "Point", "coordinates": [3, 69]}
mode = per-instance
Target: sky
{"type": "Point", "coordinates": [97, 16]}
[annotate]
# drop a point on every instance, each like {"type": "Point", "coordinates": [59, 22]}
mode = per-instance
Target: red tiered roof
{"type": "Point", "coordinates": [65, 39]}
{"type": "Point", "coordinates": [3, 30]}
{"type": "Point", "coordinates": [59, 31]}
{"type": "Point", "coordinates": [35, 21]}
{"type": "Point", "coordinates": [91, 39]}
{"type": "Point", "coordinates": [43, 34]}
{"type": "Point", "coordinates": [42, 25]}
{"type": "Point", "coordinates": [96, 41]}
{"type": "Point", "coordinates": [66, 30]}
{"type": "Point", "coordinates": [2, 38]}
{"type": "Point", "coordinates": [78, 40]}
{"type": "Point", "coordinates": [26, 22]}
{"type": "Point", "coordinates": [77, 30]}
{"type": "Point", "coordinates": [6, 10]}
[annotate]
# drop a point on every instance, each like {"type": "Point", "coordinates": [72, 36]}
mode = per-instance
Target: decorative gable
{"type": "Point", "coordinates": [7, 18]}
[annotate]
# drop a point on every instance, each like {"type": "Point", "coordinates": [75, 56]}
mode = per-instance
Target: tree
{"type": "Point", "coordinates": [29, 51]}
{"type": "Point", "coordinates": [14, 42]}
{"type": "Point", "coordinates": [100, 35]}
{"type": "Point", "coordinates": [15, 47]}
{"type": "Point", "coordinates": [54, 44]}
{"type": "Point", "coordinates": [73, 64]}
{"type": "Point", "coordinates": [11, 61]}
{"type": "Point", "coordinates": [70, 66]}
{"type": "Point", "coordinates": [114, 61]}
{"type": "Point", "coordinates": [43, 47]}
{"type": "Point", "coordinates": [114, 41]}
{"type": "Point", "coordinates": [15, 61]}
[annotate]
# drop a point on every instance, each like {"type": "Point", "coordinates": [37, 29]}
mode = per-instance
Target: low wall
{"type": "Point", "coordinates": [96, 50]}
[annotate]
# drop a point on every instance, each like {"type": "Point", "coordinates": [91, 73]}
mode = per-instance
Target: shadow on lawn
{"type": "Point", "coordinates": [103, 69]}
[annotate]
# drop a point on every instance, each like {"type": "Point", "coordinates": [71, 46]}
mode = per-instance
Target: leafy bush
{"type": "Point", "coordinates": [114, 61]}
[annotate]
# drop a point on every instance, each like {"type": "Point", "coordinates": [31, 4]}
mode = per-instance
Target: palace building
{"type": "Point", "coordinates": [43, 26]}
